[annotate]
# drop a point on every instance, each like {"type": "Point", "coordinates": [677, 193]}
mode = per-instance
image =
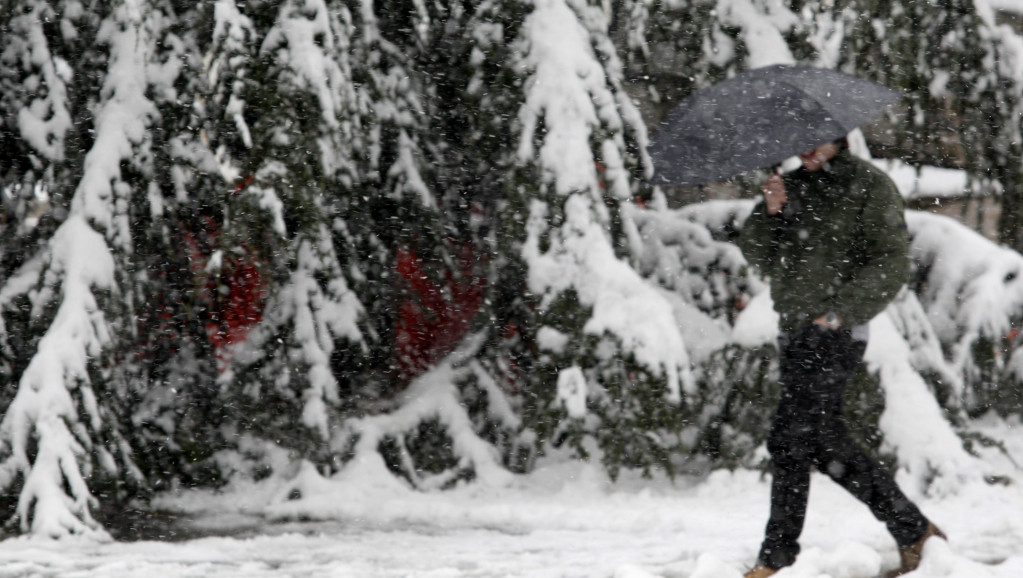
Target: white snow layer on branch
{"type": "Point", "coordinates": [974, 287]}
{"type": "Point", "coordinates": [566, 93]}
{"type": "Point", "coordinates": [925, 181]}
{"type": "Point", "coordinates": [319, 316]}
{"type": "Point", "coordinates": [761, 24]}
{"type": "Point", "coordinates": [121, 123]}
{"type": "Point", "coordinates": [628, 117]}
{"type": "Point", "coordinates": [43, 407]}
{"type": "Point", "coordinates": [569, 93]}
{"type": "Point", "coordinates": [1006, 5]}
{"type": "Point", "coordinates": [432, 395]}
{"type": "Point", "coordinates": [81, 260]}
{"type": "Point", "coordinates": [581, 258]}
{"type": "Point", "coordinates": [46, 119]}
{"type": "Point", "coordinates": [396, 102]}
{"type": "Point", "coordinates": [1004, 53]}
{"type": "Point", "coordinates": [312, 47]}
{"type": "Point", "coordinates": [294, 42]}
{"type": "Point", "coordinates": [405, 170]}
{"type": "Point", "coordinates": [926, 352]}
{"type": "Point", "coordinates": [230, 33]}
{"type": "Point", "coordinates": [930, 454]}
{"type": "Point", "coordinates": [572, 391]}
{"type": "Point", "coordinates": [267, 196]}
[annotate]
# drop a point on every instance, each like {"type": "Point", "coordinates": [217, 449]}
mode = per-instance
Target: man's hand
{"type": "Point", "coordinates": [774, 194]}
{"type": "Point", "coordinates": [833, 323]}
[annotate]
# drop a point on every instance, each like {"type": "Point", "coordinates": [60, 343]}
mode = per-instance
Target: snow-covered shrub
{"type": "Point", "coordinates": [733, 404]}
{"type": "Point", "coordinates": [88, 294]}
{"type": "Point", "coordinates": [281, 77]}
{"type": "Point", "coordinates": [610, 363]}
{"type": "Point", "coordinates": [429, 439]}
{"type": "Point", "coordinates": [972, 293]}
{"type": "Point", "coordinates": [687, 253]}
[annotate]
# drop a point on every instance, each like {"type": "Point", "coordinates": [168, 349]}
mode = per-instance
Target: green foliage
{"type": "Point", "coordinates": [630, 417]}
{"type": "Point", "coordinates": [268, 401]}
{"type": "Point", "coordinates": [733, 405]}
{"type": "Point", "coordinates": [639, 427]}
{"type": "Point", "coordinates": [864, 403]}
{"type": "Point", "coordinates": [541, 412]}
{"type": "Point", "coordinates": [18, 341]}
{"type": "Point", "coordinates": [973, 442]}
{"type": "Point", "coordinates": [480, 395]}
{"type": "Point", "coordinates": [994, 384]}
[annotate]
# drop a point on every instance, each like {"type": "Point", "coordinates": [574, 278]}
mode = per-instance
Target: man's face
{"type": "Point", "coordinates": [814, 159]}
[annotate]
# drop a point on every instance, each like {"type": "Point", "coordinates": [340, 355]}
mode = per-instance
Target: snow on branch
{"type": "Point", "coordinates": [433, 395]}
{"type": "Point", "coordinates": [973, 287]}
{"type": "Point", "coordinates": [318, 315]}
{"type": "Point", "coordinates": [55, 392]}
{"type": "Point", "coordinates": [930, 455]}
{"type": "Point", "coordinates": [44, 122]}
{"type": "Point", "coordinates": [762, 24]}
{"type": "Point", "coordinates": [311, 45]}
{"type": "Point", "coordinates": [121, 123]}
{"type": "Point", "coordinates": [625, 305]}
{"type": "Point", "coordinates": [566, 93]}
{"type": "Point", "coordinates": [934, 182]}
{"type": "Point", "coordinates": [391, 99]}
{"type": "Point", "coordinates": [43, 408]}
{"type": "Point", "coordinates": [571, 96]}
{"type": "Point", "coordinates": [231, 32]}
{"type": "Point", "coordinates": [302, 41]}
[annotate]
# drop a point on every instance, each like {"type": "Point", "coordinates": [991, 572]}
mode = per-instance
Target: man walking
{"type": "Point", "coordinates": [832, 239]}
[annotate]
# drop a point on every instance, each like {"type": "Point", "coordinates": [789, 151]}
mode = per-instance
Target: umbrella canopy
{"type": "Point", "coordinates": [758, 119]}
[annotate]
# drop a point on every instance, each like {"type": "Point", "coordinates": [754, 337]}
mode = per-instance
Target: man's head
{"type": "Point", "coordinates": [814, 159]}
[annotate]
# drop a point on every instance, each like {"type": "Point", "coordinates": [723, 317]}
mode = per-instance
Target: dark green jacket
{"type": "Point", "coordinates": [839, 244]}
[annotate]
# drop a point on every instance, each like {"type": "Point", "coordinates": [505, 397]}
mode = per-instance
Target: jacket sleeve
{"type": "Point", "coordinates": [757, 239]}
{"type": "Point", "coordinates": [881, 254]}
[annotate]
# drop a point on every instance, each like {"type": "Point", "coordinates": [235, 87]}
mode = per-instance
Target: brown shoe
{"type": "Point", "coordinates": [910, 555]}
{"type": "Point", "coordinates": [760, 571]}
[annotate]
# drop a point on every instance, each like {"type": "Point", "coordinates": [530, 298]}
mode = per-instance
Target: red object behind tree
{"type": "Point", "coordinates": [432, 323]}
{"type": "Point", "coordinates": [232, 293]}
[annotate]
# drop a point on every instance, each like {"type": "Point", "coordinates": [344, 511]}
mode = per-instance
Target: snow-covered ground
{"type": "Point", "coordinates": [564, 520]}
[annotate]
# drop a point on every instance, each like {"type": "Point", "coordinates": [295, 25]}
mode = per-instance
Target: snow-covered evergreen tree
{"type": "Point", "coordinates": [285, 112]}
{"type": "Point", "coordinates": [611, 362]}
{"type": "Point", "coordinates": [166, 364]}
{"type": "Point", "coordinates": [61, 434]}
{"type": "Point", "coordinates": [358, 177]}
{"type": "Point", "coordinates": [108, 357]}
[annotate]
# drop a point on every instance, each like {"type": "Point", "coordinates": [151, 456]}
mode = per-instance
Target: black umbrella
{"type": "Point", "coordinates": [758, 119]}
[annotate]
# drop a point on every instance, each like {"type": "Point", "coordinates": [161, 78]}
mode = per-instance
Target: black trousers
{"type": "Point", "coordinates": [809, 431]}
